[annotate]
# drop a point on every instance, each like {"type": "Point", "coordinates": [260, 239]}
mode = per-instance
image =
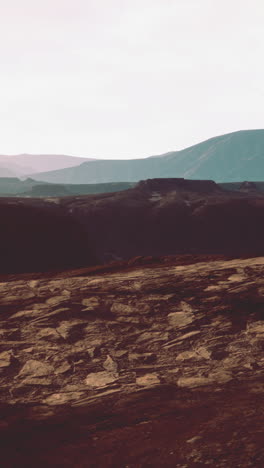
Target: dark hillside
{"type": "Point", "coordinates": [158, 217]}
{"type": "Point", "coordinates": [39, 236]}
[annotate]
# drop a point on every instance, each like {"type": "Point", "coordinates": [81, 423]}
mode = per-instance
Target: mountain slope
{"type": "Point", "coordinates": [228, 158]}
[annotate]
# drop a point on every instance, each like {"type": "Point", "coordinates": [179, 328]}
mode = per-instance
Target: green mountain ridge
{"type": "Point", "coordinates": [232, 157]}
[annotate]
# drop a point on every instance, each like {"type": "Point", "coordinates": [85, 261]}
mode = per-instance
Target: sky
{"type": "Point", "coordinates": [127, 78]}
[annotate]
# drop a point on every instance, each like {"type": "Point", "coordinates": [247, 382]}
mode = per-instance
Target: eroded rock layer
{"type": "Point", "coordinates": [151, 366]}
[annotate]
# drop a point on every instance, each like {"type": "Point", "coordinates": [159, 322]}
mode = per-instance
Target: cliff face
{"type": "Point", "coordinates": [159, 366]}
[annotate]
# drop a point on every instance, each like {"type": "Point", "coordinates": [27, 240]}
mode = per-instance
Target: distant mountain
{"type": "Point", "coordinates": [6, 172]}
{"type": "Point", "coordinates": [10, 167]}
{"type": "Point", "coordinates": [232, 157]}
{"type": "Point", "coordinates": [23, 164]}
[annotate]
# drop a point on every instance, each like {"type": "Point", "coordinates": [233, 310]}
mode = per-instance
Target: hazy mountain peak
{"type": "Point", "coordinates": [25, 163]}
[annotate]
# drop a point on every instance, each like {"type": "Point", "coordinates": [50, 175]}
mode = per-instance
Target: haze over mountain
{"type": "Point", "coordinates": [231, 157]}
{"type": "Point", "coordinates": [22, 164]}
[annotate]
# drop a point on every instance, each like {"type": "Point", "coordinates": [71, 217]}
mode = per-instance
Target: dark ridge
{"type": "Point", "coordinates": [62, 190]}
{"type": "Point", "coordinates": [248, 187]}
{"type": "Point", "coordinates": [159, 217]}
{"type": "Point", "coordinates": [170, 184]}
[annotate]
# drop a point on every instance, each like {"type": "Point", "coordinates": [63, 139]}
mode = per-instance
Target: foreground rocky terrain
{"type": "Point", "coordinates": [149, 365]}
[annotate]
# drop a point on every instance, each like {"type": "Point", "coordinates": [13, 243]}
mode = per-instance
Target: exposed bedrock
{"type": "Point", "coordinates": [159, 366]}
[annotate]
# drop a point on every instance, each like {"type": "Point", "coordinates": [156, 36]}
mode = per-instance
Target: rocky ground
{"type": "Point", "coordinates": [148, 366]}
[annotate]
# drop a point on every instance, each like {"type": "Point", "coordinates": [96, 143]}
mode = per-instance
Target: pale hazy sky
{"type": "Point", "coordinates": [128, 78]}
